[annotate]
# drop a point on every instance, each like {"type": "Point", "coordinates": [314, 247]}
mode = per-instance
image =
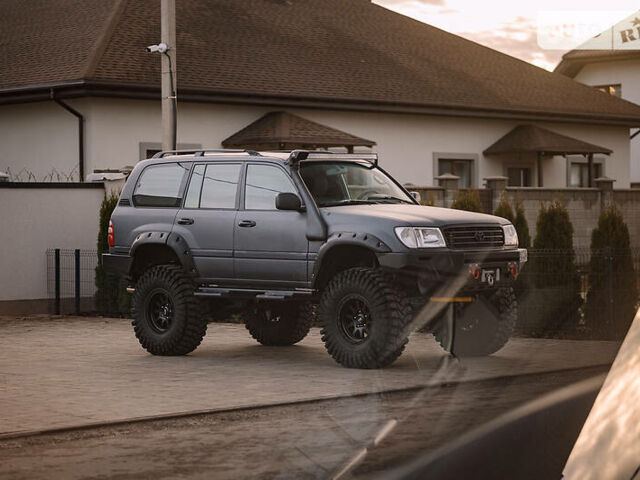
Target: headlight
{"type": "Point", "coordinates": [420, 237]}
{"type": "Point", "coordinates": [510, 236]}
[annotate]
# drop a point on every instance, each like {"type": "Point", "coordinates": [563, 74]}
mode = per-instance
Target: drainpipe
{"type": "Point", "coordinates": [80, 118]}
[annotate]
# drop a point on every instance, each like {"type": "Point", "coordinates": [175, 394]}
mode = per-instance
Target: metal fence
{"type": "Point", "coordinates": [71, 280]}
{"type": "Point", "coordinates": [579, 292]}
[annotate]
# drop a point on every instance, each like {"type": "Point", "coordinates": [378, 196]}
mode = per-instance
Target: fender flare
{"type": "Point", "coordinates": [171, 240]}
{"type": "Point", "coordinates": [356, 239]}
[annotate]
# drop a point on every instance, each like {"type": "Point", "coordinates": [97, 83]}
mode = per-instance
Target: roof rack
{"type": "Point", "coordinates": [300, 155]}
{"type": "Point", "coordinates": [201, 152]}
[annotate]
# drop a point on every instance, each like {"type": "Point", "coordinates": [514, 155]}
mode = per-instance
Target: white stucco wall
{"type": "Point", "coordinates": [406, 143]}
{"type": "Point", "coordinates": [43, 135]}
{"type": "Point", "coordinates": [627, 74]}
{"type": "Point", "coordinates": [34, 220]}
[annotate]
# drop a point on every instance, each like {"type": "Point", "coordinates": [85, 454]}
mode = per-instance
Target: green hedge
{"type": "Point", "coordinates": [613, 293]}
{"type": "Point", "coordinates": [468, 200]}
{"type": "Point", "coordinates": [111, 297]}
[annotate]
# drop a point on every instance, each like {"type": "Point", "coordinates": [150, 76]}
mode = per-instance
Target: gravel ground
{"type": "Point", "coordinates": [305, 440]}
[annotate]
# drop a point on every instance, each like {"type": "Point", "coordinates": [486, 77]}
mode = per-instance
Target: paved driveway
{"type": "Point", "coordinates": [67, 372]}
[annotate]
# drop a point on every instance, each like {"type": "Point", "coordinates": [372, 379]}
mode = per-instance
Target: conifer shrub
{"type": "Point", "coordinates": [522, 227]}
{"type": "Point", "coordinates": [468, 200]}
{"type": "Point", "coordinates": [550, 306]}
{"type": "Point", "coordinates": [613, 293]}
{"type": "Point", "coordinates": [111, 297]}
{"type": "Point", "coordinates": [504, 210]}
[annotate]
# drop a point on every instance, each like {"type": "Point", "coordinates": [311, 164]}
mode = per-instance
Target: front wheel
{"type": "Point", "coordinates": [364, 319]}
{"type": "Point", "coordinates": [482, 327]}
{"type": "Point", "coordinates": [167, 316]}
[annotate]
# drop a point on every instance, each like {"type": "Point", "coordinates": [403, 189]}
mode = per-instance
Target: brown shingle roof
{"type": "Point", "coordinates": [531, 138]}
{"type": "Point", "coordinates": [329, 53]}
{"type": "Point", "coordinates": [283, 130]}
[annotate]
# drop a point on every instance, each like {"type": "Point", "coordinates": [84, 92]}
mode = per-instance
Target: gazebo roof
{"type": "Point", "coordinates": [531, 138]}
{"type": "Point", "coordinates": [284, 130]}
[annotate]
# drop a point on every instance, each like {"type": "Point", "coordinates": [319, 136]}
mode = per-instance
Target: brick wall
{"type": "Point", "coordinates": [583, 204]}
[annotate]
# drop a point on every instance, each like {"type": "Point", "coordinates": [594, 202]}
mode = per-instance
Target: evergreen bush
{"type": "Point", "coordinates": [613, 291]}
{"type": "Point", "coordinates": [468, 200]}
{"type": "Point", "coordinates": [552, 302]}
{"type": "Point", "coordinates": [111, 296]}
{"type": "Point", "coordinates": [522, 227]}
{"type": "Point", "coordinates": [504, 209]}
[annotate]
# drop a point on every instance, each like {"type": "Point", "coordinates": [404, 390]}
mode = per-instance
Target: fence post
{"type": "Point", "coordinates": [57, 280]}
{"type": "Point", "coordinates": [77, 269]}
{"type": "Point", "coordinates": [450, 184]}
{"type": "Point", "coordinates": [497, 186]}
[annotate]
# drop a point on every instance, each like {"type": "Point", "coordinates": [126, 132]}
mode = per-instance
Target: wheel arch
{"type": "Point", "coordinates": [346, 250]}
{"type": "Point", "coordinates": [158, 248]}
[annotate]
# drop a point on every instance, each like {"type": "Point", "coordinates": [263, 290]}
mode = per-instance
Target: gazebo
{"type": "Point", "coordinates": [534, 139]}
{"type": "Point", "coordinates": [286, 131]}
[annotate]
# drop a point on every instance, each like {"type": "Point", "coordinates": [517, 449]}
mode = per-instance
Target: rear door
{"type": "Point", "coordinates": [207, 218]}
{"type": "Point", "coordinates": [271, 246]}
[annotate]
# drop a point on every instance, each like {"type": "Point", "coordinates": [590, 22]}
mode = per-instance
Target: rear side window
{"type": "Point", "coordinates": [213, 187]}
{"type": "Point", "coordinates": [159, 185]}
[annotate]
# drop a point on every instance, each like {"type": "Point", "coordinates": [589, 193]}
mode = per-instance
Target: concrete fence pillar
{"type": "Point", "coordinates": [498, 186]}
{"type": "Point", "coordinates": [605, 185]}
{"type": "Point", "coordinates": [451, 184]}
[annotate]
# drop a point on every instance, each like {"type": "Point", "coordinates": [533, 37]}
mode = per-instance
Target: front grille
{"type": "Point", "coordinates": [471, 237]}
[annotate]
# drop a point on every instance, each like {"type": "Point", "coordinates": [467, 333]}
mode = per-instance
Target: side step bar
{"type": "Point", "coordinates": [220, 292]}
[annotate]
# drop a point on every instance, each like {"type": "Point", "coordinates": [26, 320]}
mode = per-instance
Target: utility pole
{"type": "Point", "coordinates": [168, 69]}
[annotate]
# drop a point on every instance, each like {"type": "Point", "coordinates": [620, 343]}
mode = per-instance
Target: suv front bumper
{"type": "Point", "coordinates": [478, 268]}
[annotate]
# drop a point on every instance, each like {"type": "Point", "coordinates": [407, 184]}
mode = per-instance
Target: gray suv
{"type": "Point", "coordinates": [284, 238]}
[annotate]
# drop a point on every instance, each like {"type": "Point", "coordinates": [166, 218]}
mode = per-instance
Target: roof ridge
{"type": "Point", "coordinates": [103, 39]}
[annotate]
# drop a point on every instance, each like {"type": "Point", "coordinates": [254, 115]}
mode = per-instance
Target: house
{"type": "Point", "coordinates": [427, 101]}
{"type": "Point", "coordinates": [615, 71]}
{"type": "Point", "coordinates": [80, 94]}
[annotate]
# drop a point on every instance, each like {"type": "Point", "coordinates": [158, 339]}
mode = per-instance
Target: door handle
{"type": "Point", "coordinates": [247, 223]}
{"type": "Point", "coordinates": [185, 221]}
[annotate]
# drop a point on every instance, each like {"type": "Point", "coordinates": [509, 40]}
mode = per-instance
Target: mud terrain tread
{"type": "Point", "coordinates": [191, 326]}
{"type": "Point", "coordinates": [386, 344]}
{"type": "Point", "coordinates": [289, 330]}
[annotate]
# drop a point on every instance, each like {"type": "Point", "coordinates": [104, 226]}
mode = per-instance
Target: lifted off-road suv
{"type": "Point", "coordinates": [283, 238]}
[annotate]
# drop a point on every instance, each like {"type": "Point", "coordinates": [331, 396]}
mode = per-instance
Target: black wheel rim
{"type": "Point", "coordinates": [160, 311]}
{"type": "Point", "coordinates": [354, 319]}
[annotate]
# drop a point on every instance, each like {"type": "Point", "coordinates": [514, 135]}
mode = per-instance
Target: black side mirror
{"type": "Point", "coordinates": [288, 201]}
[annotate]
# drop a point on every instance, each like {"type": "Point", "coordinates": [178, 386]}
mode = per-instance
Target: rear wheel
{"type": "Point", "coordinates": [167, 316]}
{"type": "Point", "coordinates": [279, 324]}
{"type": "Point", "coordinates": [482, 327]}
{"type": "Point", "coordinates": [364, 319]}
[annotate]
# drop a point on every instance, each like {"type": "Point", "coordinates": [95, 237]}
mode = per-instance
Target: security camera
{"type": "Point", "coordinates": [160, 48]}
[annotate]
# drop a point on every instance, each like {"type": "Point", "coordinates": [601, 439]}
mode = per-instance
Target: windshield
{"type": "Point", "coordinates": [343, 183]}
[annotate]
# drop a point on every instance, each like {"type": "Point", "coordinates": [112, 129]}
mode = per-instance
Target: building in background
{"type": "Point", "coordinates": [431, 102]}
{"type": "Point", "coordinates": [615, 72]}
{"type": "Point", "coordinates": [79, 94]}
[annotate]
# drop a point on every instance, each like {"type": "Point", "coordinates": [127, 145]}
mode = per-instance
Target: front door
{"type": "Point", "coordinates": [271, 246]}
{"type": "Point", "coordinates": [207, 218]}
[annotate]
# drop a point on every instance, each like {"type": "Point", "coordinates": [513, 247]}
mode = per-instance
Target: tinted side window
{"type": "Point", "coordinates": [192, 200]}
{"type": "Point", "coordinates": [264, 183]}
{"type": "Point", "coordinates": [159, 185]}
{"type": "Point", "coordinates": [219, 186]}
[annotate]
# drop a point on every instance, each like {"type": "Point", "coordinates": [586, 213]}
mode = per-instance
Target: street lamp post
{"type": "Point", "coordinates": [168, 69]}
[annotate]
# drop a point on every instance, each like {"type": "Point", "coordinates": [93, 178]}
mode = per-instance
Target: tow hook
{"type": "Point", "coordinates": [131, 290]}
{"type": "Point", "coordinates": [513, 269]}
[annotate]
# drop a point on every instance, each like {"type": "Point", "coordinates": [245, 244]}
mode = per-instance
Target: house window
{"type": "Point", "coordinates": [459, 167]}
{"type": "Point", "coordinates": [579, 174]}
{"type": "Point", "coordinates": [615, 90]}
{"type": "Point", "coordinates": [519, 176]}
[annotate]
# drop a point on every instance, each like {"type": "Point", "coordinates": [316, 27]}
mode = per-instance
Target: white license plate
{"type": "Point", "coordinates": [490, 276]}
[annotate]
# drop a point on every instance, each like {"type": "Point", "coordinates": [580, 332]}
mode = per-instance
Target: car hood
{"type": "Point", "coordinates": [403, 214]}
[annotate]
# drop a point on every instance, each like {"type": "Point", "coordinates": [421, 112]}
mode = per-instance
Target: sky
{"type": "Point", "coordinates": [511, 26]}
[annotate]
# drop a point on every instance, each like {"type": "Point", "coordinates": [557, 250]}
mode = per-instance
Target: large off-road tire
{"type": "Point", "coordinates": [481, 332]}
{"type": "Point", "coordinates": [279, 324]}
{"type": "Point", "coordinates": [167, 316]}
{"type": "Point", "coordinates": [364, 319]}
